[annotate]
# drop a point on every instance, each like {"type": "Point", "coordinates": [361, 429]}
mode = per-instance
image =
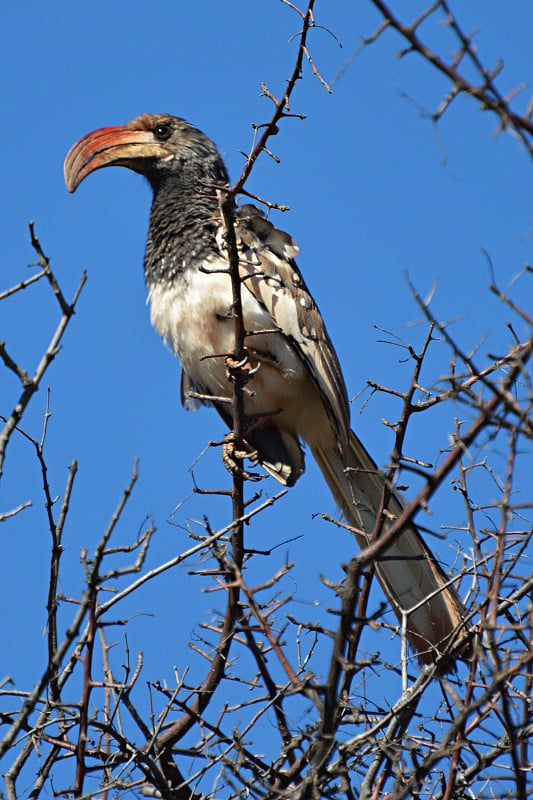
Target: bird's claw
{"type": "Point", "coordinates": [241, 371]}
{"type": "Point", "coordinates": [231, 456]}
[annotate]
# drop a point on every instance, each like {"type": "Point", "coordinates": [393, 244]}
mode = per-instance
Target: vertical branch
{"type": "Point", "coordinates": [55, 557]}
{"type": "Point", "coordinates": [281, 106]}
{"type": "Point", "coordinates": [83, 726]}
{"type": "Point", "coordinates": [239, 378]}
{"type": "Point", "coordinates": [338, 661]}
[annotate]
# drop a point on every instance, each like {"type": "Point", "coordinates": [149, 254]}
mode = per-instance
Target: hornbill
{"type": "Point", "coordinates": [298, 392]}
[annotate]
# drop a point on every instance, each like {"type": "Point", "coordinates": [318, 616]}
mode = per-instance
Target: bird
{"type": "Point", "coordinates": [298, 394]}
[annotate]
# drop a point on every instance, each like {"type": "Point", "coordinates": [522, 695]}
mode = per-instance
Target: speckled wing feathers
{"type": "Point", "coordinates": [267, 259]}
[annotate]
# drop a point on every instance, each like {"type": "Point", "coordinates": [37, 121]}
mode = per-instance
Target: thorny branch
{"type": "Point", "coordinates": [485, 91]}
{"type": "Point", "coordinates": [30, 384]}
{"type": "Point", "coordinates": [281, 106]}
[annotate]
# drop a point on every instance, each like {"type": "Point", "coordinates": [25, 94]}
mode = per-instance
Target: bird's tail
{"type": "Point", "coordinates": [408, 572]}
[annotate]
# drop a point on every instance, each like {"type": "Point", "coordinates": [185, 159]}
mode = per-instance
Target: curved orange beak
{"type": "Point", "coordinates": [118, 146]}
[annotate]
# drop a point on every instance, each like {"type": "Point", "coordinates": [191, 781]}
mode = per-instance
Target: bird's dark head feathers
{"type": "Point", "coordinates": [159, 146]}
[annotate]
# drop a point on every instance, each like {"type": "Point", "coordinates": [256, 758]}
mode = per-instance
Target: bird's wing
{"type": "Point", "coordinates": [407, 570]}
{"type": "Point", "coordinates": [270, 273]}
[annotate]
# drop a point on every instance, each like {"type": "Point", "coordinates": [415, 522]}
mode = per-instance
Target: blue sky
{"type": "Point", "coordinates": [371, 197]}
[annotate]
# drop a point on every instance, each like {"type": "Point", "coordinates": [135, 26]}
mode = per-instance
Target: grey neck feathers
{"type": "Point", "coordinates": [183, 225]}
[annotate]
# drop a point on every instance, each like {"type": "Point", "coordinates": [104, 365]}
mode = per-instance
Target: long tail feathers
{"type": "Point", "coordinates": [407, 570]}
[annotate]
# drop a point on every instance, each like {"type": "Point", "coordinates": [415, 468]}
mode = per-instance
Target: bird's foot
{"type": "Point", "coordinates": [240, 372]}
{"type": "Point", "coordinates": [231, 456]}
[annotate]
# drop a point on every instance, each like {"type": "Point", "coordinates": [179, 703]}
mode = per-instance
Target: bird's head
{"type": "Point", "coordinates": [159, 146]}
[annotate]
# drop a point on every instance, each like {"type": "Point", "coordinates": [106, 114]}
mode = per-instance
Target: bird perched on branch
{"type": "Point", "coordinates": [298, 392]}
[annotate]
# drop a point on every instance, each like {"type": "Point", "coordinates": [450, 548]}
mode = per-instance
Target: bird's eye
{"type": "Point", "coordinates": [162, 132]}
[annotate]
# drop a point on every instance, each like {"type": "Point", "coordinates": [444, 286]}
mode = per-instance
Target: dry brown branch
{"type": "Point", "coordinates": [30, 384]}
{"type": "Point", "coordinates": [282, 106]}
{"type": "Point", "coordinates": [485, 91]}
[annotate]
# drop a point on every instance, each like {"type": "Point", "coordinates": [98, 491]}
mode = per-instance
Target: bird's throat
{"type": "Point", "coordinates": [181, 234]}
